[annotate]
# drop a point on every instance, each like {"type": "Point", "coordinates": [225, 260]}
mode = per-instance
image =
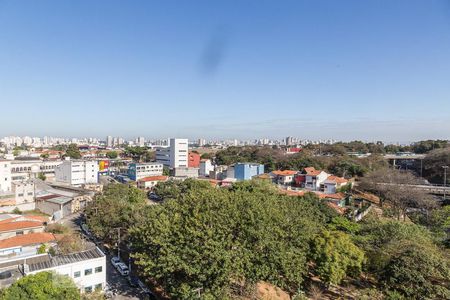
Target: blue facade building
{"type": "Point", "coordinates": [245, 171]}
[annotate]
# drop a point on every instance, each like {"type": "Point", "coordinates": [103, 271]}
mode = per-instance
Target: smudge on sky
{"type": "Point", "coordinates": [214, 53]}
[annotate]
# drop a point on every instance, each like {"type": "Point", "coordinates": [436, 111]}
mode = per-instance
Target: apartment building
{"type": "Point", "coordinates": [77, 172]}
{"type": "Point", "coordinates": [174, 156]}
{"type": "Point", "coordinates": [137, 171]}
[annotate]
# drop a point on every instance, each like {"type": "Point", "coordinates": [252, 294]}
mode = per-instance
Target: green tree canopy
{"type": "Point", "coordinates": [336, 256]}
{"type": "Point", "coordinates": [73, 151]}
{"type": "Point", "coordinates": [119, 206]}
{"type": "Point", "coordinates": [112, 154]}
{"type": "Point", "coordinates": [209, 238]}
{"type": "Point", "coordinates": [42, 286]}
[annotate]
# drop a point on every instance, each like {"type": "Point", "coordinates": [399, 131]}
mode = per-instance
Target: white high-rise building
{"type": "Point", "coordinates": [77, 172]}
{"type": "Point", "coordinates": [140, 141]}
{"type": "Point", "coordinates": [174, 156]}
{"type": "Point", "coordinates": [179, 153]}
{"type": "Point", "coordinates": [109, 141]}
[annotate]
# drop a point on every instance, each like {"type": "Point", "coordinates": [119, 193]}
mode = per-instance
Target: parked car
{"type": "Point", "coordinates": [133, 281]}
{"type": "Point", "coordinates": [115, 261]}
{"type": "Point", "coordinates": [123, 269]}
{"type": "Point", "coordinates": [154, 197]}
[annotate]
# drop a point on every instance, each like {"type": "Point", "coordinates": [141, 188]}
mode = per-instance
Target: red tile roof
{"type": "Point", "coordinates": [312, 171]}
{"type": "Point", "coordinates": [27, 239]}
{"type": "Point", "coordinates": [19, 225]}
{"type": "Point", "coordinates": [337, 179]}
{"type": "Point", "coordinates": [284, 173]}
{"type": "Point", "coordinates": [154, 178]}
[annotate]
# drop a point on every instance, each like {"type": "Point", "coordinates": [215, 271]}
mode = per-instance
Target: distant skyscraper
{"type": "Point", "coordinates": [141, 141]}
{"type": "Point", "coordinates": [289, 141]}
{"type": "Point", "coordinates": [201, 142]}
{"type": "Point", "coordinates": [109, 141]}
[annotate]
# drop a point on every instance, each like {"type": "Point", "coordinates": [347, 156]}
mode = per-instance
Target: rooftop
{"type": "Point", "coordinates": [51, 262]}
{"type": "Point", "coordinates": [284, 173]}
{"type": "Point", "coordinates": [153, 178]}
{"type": "Point", "coordinates": [27, 240]}
{"type": "Point", "coordinates": [312, 171]}
{"type": "Point", "coordinates": [337, 179]}
{"type": "Point", "coordinates": [15, 225]}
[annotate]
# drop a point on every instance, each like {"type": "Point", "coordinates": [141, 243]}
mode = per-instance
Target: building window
{"type": "Point", "coordinates": [87, 272]}
{"type": "Point", "coordinates": [98, 287]}
{"type": "Point", "coordinates": [88, 289]}
{"type": "Point", "coordinates": [98, 269]}
{"type": "Point", "coordinates": [76, 274]}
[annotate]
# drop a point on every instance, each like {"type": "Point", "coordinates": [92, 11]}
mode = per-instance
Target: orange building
{"type": "Point", "coordinates": [194, 160]}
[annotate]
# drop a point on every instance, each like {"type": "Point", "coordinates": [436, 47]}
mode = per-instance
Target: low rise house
{"type": "Point", "coordinates": [285, 177]}
{"type": "Point", "coordinates": [14, 225]}
{"type": "Point", "coordinates": [333, 183]}
{"type": "Point", "coordinates": [24, 245]}
{"type": "Point", "coordinates": [314, 179]}
{"type": "Point", "coordinates": [151, 181]}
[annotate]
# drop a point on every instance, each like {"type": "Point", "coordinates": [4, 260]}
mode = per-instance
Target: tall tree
{"type": "Point", "coordinates": [73, 151]}
{"type": "Point", "coordinates": [42, 286]}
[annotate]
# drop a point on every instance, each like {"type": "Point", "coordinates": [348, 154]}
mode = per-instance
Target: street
{"type": "Point", "coordinates": [117, 283]}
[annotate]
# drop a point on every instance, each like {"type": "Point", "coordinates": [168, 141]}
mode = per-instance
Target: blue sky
{"type": "Point", "coordinates": [233, 69]}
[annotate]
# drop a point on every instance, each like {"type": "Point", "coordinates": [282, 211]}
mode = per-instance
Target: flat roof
{"type": "Point", "coordinates": [59, 260]}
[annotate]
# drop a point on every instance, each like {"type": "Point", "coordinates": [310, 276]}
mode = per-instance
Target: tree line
{"type": "Point", "coordinates": [223, 241]}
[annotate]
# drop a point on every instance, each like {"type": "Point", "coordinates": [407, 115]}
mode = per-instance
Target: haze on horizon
{"type": "Point", "coordinates": [369, 70]}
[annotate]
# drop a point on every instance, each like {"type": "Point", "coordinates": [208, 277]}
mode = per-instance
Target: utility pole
{"type": "Point", "coordinates": [118, 242]}
{"type": "Point", "coordinates": [445, 180]}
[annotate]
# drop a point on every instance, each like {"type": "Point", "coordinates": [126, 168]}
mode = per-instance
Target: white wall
{"type": "Point", "coordinates": [83, 280]}
{"type": "Point", "coordinates": [77, 172]}
{"type": "Point", "coordinates": [205, 168]}
{"type": "Point", "coordinates": [179, 151]}
{"type": "Point", "coordinates": [5, 176]}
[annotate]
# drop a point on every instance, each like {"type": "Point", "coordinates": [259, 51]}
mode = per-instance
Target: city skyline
{"type": "Point", "coordinates": [318, 70]}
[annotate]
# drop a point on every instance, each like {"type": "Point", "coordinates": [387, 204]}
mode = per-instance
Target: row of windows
{"type": "Point", "coordinates": [29, 194]}
{"type": "Point", "coordinates": [87, 272]}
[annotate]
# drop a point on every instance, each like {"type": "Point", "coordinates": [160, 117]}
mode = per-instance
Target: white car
{"type": "Point", "coordinates": [123, 269]}
{"type": "Point", "coordinates": [115, 260]}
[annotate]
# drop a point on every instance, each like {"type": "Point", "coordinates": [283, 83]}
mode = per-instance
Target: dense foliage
{"type": "Point", "coordinates": [117, 208]}
{"type": "Point", "coordinates": [72, 151]}
{"type": "Point", "coordinates": [338, 163]}
{"type": "Point", "coordinates": [42, 286]}
{"type": "Point", "coordinates": [212, 239]}
{"type": "Point", "coordinates": [404, 258]}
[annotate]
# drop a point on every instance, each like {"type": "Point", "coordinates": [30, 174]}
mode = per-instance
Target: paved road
{"type": "Point", "coordinates": [116, 282]}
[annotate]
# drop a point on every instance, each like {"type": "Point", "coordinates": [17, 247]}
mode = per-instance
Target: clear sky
{"type": "Point", "coordinates": [228, 69]}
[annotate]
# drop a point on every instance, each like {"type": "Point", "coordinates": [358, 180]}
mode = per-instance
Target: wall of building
{"type": "Point", "coordinates": [194, 160]}
{"type": "Point", "coordinates": [77, 271]}
{"type": "Point", "coordinates": [179, 153]}
{"type": "Point", "coordinates": [5, 176]}
{"type": "Point", "coordinates": [243, 171]}
{"type": "Point", "coordinates": [186, 172]}
{"type": "Point", "coordinates": [138, 171]}
{"type": "Point", "coordinates": [205, 167]}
